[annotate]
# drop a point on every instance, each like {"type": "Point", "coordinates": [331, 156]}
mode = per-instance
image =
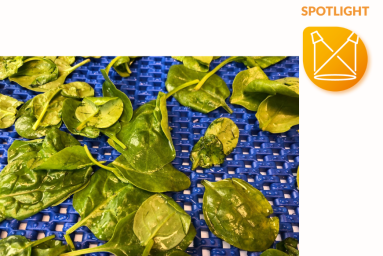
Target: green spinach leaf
{"type": "Point", "coordinates": [50, 248]}
{"type": "Point", "coordinates": [238, 213]}
{"type": "Point", "coordinates": [121, 65]}
{"type": "Point", "coordinates": [208, 151]}
{"type": "Point", "coordinates": [261, 61]}
{"type": "Point", "coordinates": [77, 90]}
{"type": "Point", "coordinates": [104, 202]}
{"type": "Point", "coordinates": [68, 59]}
{"type": "Point", "coordinates": [149, 146]}
{"type": "Point", "coordinates": [112, 131]}
{"type": "Point", "coordinates": [289, 246]}
{"type": "Point", "coordinates": [110, 90]}
{"type": "Point", "coordinates": [248, 100]}
{"type": "Point", "coordinates": [226, 131]}
{"type": "Point", "coordinates": [8, 110]}
{"type": "Point", "coordinates": [278, 113]}
{"type": "Point", "coordinates": [71, 122]}
{"type": "Point", "coordinates": [16, 245]}
{"type": "Point", "coordinates": [35, 72]}
{"type": "Point", "coordinates": [210, 97]}
{"type": "Point", "coordinates": [273, 252]}
{"type": "Point", "coordinates": [9, 65]}
{"type": "Point", "coordinates": [24, 128]}
{"type": "Point", "coordinates": [197, 63]}
{"type": "Point", "coordinates": [160, 223]}
{"type": "Point", "coordinates": [99, 112]}
{"type": "Point", "coordinates": [286, 86]}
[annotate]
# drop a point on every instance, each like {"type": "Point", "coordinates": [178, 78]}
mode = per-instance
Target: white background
{"type": "Point", "coordinates": [341, 174]}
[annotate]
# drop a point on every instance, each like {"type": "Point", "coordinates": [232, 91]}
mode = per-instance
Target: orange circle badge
{"type": "Point", "coordinates": [334, 58]}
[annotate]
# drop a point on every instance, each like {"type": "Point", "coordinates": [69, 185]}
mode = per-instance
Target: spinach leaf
{"type": "Point", "coordinates": [50, 248]}
{"type": "Point", "coordinates": [248, 226]}
{"type": "Point", "coordinates": [147, 138]}
{"type": "Point", "coordinates": [278, 113]}
{"type": "Point", "coordinates": [110, 90]}
{"type": "Point", "coordinates": [24, 128]}
{"type": "Point", "coordinates": [165, 179]}
{"type": "Point", "coordinates": [20, 147]}
{"type": "Point", "coordinates": [47, 108]}
{"type": "Point", "coordinates": [71, 122]}
{"type": "Point", "coordinates": [64, 69]}
{"type": "Point", "coordinates": [77, 90]}
{"type": "Point", "coordinates": [68, 59]}
{"type": "Point", "coordinates": [112, 131]}
{"type": "Point", "coordinates": [273, 252]}
{"type": "Point", "coordinates": [210, 97]}
{"type": "Point", "coordinates": [289, 246]}
{"type": "Point", "coordinates": [123, 242]}
{"type": "Point", "coordinates": [35, 72]}
{"type": "Point", "coordinates": [104, 202]}
{"type": "Point", "coordinates": [9, 65]}
{"type": "Point", "coordinates": [226, 131]}
{"type": "Point", "coordinates": [121, 65]}
{"type": "Point", "coordinates": [8, 110]}
{"type": "Point", "coordinates": [248, 100]}
{"type": "Point", "coordinates": [160, 223]}
{"type": "Point", "coordinates": [261, 61]}
{"type": "Point", "coordinates": [286, 86]}
{"type": "Point", "coordinates": [99, 112]}
{"type": "Point", "coordinates": [24, 192]}
{"type": "Point", "coordinates": [208, 151]}
{"type": "Point", "coordinates": [16, 245]}
{"type": "Point", "coordinates": [197, 63]}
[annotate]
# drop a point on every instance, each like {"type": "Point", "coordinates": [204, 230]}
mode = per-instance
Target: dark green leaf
{"type": "Point", "coordinates": [226, 131]}
{"type": "Point", "coordinates": [24, 128]}
{"type": "Point", "coordinates": [248, 100]}
{"type": "Point", "coordinates": [273, 252]}
{"type": "Point", "coordinates": [77, 90]}
{"type": "Point", "coordinates": [197, 63]}
{"type": "Point", "coordinates": [9, 65]}
{"type": "Point", "coordinates": [208, 151]}
{"type": "Point", "coordinates": [16, 245]}
{"type": "Point", "coordinates": [286, 86]}
{"type": "Point", "coordinates": [110, 90]}
{"type": "Point", "coordinates": [104, 202]}
{"type": "Point", "coordinates": [261, 61]}
{"type": "Point", "coordinates": [20, 147]}
{"type": "Point", "coordinates": [71, 122]}
{"type": "Point", "coordinates": [289, 246]}
{"type": "Point", "coordinates": [165, 179]}
{"type": "Point", "coordinates": [122, 65]}
{"type": "Point", "coordinates": [210, 97]}
{"type": "Point", "coordinates": [238, 213]}
{"type": "Point", "coordinates": [50, 248]}
{"type": "Point", "coordinates": [278, 113]}
{"type": "Point", "coordinates": [8, 110]}
{"type": "Point", "coordinates": [35, 72]}
{"type": "Point", "coordinates": [161, 220]}
{"type": "Point", "coordinates": [147, 137]}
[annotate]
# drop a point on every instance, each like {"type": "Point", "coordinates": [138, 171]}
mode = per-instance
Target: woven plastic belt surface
{"type": "Point", "coordinates": [267, 161]}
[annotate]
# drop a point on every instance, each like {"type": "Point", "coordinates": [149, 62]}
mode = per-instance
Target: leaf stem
{"type": "Point", "coordinates": [69, 242]}
{"type": "Point", "coordinates": [182, 86]}
{"type": "Point", "coordinates": [111, 64]}
{"type": "Point", "coordinates": [34, 243]}
{"type": "Point", "coordinates": [83, 123]}
{"type": "Point", "coordinates": [158, 228]}
{"type": "Point", "coordinates": [208, 75]}
{"type": "Point", "coordinates": [70, 70]}
{"type": "Point", "coordinates": [127, 68]}
{"type": "Point", "coordinates": [114, 138]}
{"type": "Point", "coordinates": [35, 126]}
{"type": "Point", "coordinates": [148, 248]}
{"type": "Point", "coordinates": [34, 58]}
{"type": "Point", "coordinates": [96, 162]}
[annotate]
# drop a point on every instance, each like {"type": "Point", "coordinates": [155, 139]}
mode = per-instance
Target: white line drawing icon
{"type": "Point", "coordinates": [317, 38]}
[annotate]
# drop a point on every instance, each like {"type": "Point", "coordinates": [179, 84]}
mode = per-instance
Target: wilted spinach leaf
{"type": "Point", "coordinates": [211, 96]}
{"type": "Point", "coordinates": [110, 90]}
{"type": "Point", "coordinates": [24, 192]}
{"type": "Point", "coordinates": [289, 246]}
{"type": "Point", "coordinates": [9, 65]}
{"type": "Point", "coordinates": [104, 202]}
{"type": "Point", "coordinates": [160, 223]}
{"type": "Point", "coordinates": [35, 72]}
{"type": "Point", "coordinates": [50, 248]}
{"type": "Point", "coordinates": [248, 100]}
{"type": "Point", "coordinates": [261, 61]}
{"type": "Point", "coordinates": [77, 90]}
{"type": "Point", "coordinates": [197, 63]}
{"type": "Point", "coordinates": [248, 226]}
{"type": "Point", "coordinates": [226, 131]}
{"type": "Point", "coordinates": [278, 113]}
{"type": "Point", "coordinates": [208, 151]}
{"type": "Point", "coordinates": [99, 112]}
{"type": "Point", "coordinates": [149, 145]}
{"type": "Point", "coordinates": [8, 110]}
{"type": "Point", "coordinates": [16, 245]}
